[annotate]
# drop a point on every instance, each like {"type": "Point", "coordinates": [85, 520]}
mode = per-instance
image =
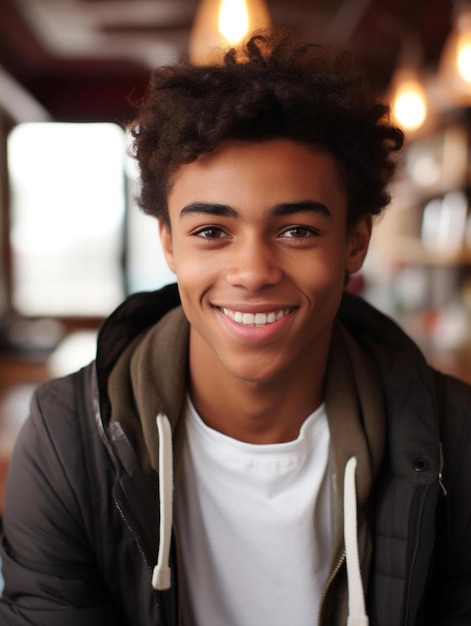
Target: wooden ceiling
{"type": "Point", "coordinates": [87, 59]}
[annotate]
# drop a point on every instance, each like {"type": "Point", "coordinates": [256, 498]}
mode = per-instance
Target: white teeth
{"type": "Point", "coordinates": [257, 319]}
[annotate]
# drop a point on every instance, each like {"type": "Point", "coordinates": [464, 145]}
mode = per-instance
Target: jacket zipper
{"type": "Point", "coordinates": [440, 471]}
{"type": "Point", "coordinates": [142, 552]}
{"type": "Point", "coordinates": [178, 577]}
{"type": "Point", "coordinates": [417, 543]}
{"type": "Point", "coordinates": [328, 584]}
{"type": "Point", "coordinates": [111, 452]}
{"type": "Point", "coordinates": [135, 534]}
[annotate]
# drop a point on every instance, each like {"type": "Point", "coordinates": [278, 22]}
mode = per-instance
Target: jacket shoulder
{"type": "Point", "coordinates": [49, 562]}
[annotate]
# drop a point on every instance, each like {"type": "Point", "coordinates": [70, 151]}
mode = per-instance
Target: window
{"type": "Point", "coordinates": [71, 187]}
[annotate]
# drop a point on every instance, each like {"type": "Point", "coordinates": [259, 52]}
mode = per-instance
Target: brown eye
{"type": "Point", "coordinates": [299, 232]}
{"type": "Point", "coordinates": [209, 232]}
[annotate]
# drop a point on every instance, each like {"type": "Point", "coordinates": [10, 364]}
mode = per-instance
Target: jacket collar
{"type": "Point", "coordinates": [409, 388]}
{"type": "Point", "coordinates": [132, 318]}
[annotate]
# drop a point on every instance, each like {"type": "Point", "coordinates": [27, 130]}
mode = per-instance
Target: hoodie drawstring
{"type": "Point", "coordinates": [161, 576]}
{"type": "Point", "coordinates": [356, 599]}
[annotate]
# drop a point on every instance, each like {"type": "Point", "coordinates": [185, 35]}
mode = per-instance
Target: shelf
{"type": "Point", "coordinates": [410, 250]}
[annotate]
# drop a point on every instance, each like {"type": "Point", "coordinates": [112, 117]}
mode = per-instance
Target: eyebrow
{"type": "Point", "coordinates": [279, 210]}
{"type": "Point", "coordinates": [302, 206]}
{"type": "Point", "coordinates": [208, 208]}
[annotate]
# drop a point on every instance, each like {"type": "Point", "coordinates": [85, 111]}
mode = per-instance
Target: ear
{"type": "Point", "coordinates": [167, 245]}
{"type": "Point", "coordinates": [357, 245]}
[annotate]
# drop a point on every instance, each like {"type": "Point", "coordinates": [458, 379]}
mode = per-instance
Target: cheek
{"type": "Point", "coordinates": [328, 287]}
{"type": "Point", "coordinates": [195, 267]}
{"type": "Point", "coordinates": [194, 279]}
{"type": "Point", "coordinates": [325, 271]}
{"type": "Point", "coordinates": [323, 286]}
{"type": "Point", "coordinates": [192, 274]}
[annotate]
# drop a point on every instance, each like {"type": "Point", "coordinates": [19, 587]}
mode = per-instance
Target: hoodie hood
{"type": "Point", "coordinates": [138, 395]}
{"type": "Point", "coordinates": [131, 319]}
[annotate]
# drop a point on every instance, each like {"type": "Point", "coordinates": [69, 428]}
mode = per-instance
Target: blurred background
{"type": "Point", "coordinates": [73, 242]}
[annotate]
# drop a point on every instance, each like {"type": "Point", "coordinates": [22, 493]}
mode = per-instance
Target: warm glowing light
{"type": "Point", "coordinates": [233, 20]}
{"type": "Point", "coordinates": [455, 62]}
{"type": "Point", "coordinates": [410, 110]}
{"type": "Point", "coordinates": [222, 24]}
{"type": "Point", "coordinates": [409, 103]}
{"type": "Point", "coordinates": [464, 58]}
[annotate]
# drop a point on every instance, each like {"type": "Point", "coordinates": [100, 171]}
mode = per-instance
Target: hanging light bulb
{"type": "Point", "coordinates": [407, 93]}
{"type": "Point", "coordinates": [223, 24]}
{"type": "Point", "coordinates": [408, 99]}
{"type": "Point", "coordinates": [455, 63]}
{"type": "Point", "coordinates": [233, 22]}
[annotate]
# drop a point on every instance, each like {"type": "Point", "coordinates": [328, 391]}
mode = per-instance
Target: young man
{"type": "Point", "coordinates": [319, 465]}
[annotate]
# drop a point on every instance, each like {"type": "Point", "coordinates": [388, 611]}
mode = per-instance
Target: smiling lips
{"type": "Point", "coordinates": [255, 319]}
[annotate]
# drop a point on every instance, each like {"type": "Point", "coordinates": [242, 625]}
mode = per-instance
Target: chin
{"type": "Point", "coordinates": [257, 375]}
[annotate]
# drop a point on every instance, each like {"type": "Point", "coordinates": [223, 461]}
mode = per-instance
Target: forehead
{"type": "Point", "coordinates": [269, 172]}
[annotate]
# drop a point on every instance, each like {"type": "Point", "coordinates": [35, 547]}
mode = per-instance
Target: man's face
{"type": "Point", "coordinates": [259, 243]}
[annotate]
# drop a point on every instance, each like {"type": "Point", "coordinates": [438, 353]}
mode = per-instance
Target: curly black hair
{"type": "Point", "coordinates": [273, 88]}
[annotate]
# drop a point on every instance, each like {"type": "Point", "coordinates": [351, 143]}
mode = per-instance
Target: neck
{"type": "Point", "coordinates": [256, 412]}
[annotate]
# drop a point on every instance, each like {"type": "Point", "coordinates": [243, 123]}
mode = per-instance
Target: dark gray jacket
{"type": "Point", "coordinates": [81, 516]}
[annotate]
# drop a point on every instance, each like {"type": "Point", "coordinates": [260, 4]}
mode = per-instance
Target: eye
{"type": "Point", "coordinates": [299, 232]}
{"type": "Point", "coordinates": [209, 232]}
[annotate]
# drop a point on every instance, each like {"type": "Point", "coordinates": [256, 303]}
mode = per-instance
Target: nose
{"type": "Point", "coordinates": [253, 265]}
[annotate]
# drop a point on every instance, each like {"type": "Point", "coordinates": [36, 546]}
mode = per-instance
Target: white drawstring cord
{"type": "Point", "coordinates": [161, 576]}
{"type": "Point", "coordinates": [356, 601]}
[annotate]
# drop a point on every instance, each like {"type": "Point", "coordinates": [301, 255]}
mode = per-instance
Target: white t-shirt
{"type": "Point", "coordinates": [254, 526]}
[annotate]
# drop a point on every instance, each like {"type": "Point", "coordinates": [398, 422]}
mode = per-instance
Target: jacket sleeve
{"type": "Point", "coordinates": [51, 577]}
